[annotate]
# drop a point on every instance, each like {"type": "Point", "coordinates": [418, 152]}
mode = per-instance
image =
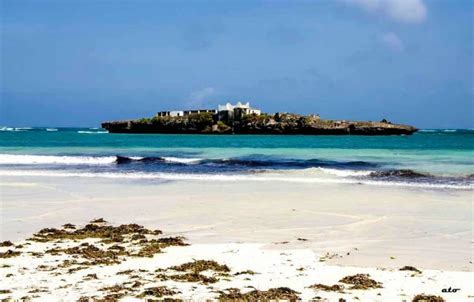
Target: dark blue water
{"type": "Point", "coordinates": [430, 156]}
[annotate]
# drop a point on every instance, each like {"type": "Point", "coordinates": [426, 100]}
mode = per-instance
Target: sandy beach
{"type": "Point", "coordinates": [293, 235]}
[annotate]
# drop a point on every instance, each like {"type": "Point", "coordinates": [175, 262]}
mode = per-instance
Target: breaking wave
{"type": "Point", "coordinates": [16, 159]}
{"type": "Point", "coordinates": [231, 178]}
{"type": "Point", "coordinates": [92, 132]}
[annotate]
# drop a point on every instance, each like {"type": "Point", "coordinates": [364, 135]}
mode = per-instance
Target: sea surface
{"type": "Point", "coordinates": [440, 159]}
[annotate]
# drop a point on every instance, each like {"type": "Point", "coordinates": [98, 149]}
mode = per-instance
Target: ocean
{"type": "Point", "coordinates": [435, 159]}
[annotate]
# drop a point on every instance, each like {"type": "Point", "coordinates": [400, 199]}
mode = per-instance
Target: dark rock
{"type": "Point", "coordinates": [280, 123]}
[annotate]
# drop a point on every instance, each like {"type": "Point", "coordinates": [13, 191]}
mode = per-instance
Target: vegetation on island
{"type": "Point", "coordinates": [278, 123]}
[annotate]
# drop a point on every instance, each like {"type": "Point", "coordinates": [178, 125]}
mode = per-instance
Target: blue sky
{"type": "Point", "coordinates": [77, 63]}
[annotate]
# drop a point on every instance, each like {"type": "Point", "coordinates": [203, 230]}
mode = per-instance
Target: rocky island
{"type": "Point", "coordinates": [242, 119]}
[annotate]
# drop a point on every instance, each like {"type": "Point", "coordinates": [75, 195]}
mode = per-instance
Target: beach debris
{"type": "Point", "coordinates": [92, 253]}
{"type": "Point", "coordinates": [302, 239]}
{"type": "Point", "coordinates": [90, 277]}
{"type": "Point", "coordinates": [410, 268]}
{"type": "Point", "coordinates": [107, 233]}
{"type": "Point", "coordinates": [329, 256]}
{"type": "Point", "coordinates": [328, 288]}
{"type": "Point", "coordinates": [98, 220]}
{"type": "Point", "coordinates": [125, 272]}
{"type": "Point", "coordinates": [191, 272]}
{"type": "Point", "coordinates": [246, 272]}
{"type": "Point", "coordinates": [188, 277]}
{"type": "Point", "coordinates": [280, 293]}
{"type": "Point", "coordinates": [6, 243]}
{"type": "Point", "coordinates": [158, 292]}
{"type": "Point", "coordinates": [198, 266]}
{"type": "Point", "coordinates": [361, 281]}
{"type": "Point", "coordinates": [9, 254]}
{"type": "Point", "coordinates": [427, 298]}
{"type": "Point", "coordinates": [106, 244]}
{"type": "Point", "coordinates": [319, 299]}
{"type": "Point", "coordinates": [5, 291]}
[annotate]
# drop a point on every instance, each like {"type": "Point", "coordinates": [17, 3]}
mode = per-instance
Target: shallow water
{"type": "Point", "coordinates": [429, 158]}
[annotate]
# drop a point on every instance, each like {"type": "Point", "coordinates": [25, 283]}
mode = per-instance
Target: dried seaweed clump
{"type": "Point", "coordinates": [92, 253]}
{"type": "Point", "coordinates": [246, 272]}
{"type": "Point", "coordinates": [361, 281]}
{"type": "Point", "coordinates": [200, 266]}
{"type": "Point", "coordinates": [328, 288]}
{"type": "Point", "coordinates": [100, 230]}
{"type": "Point", "coordinates": [427, 298]}
{"type": "Point", "coordinates": [158, 292]}
{"type": "Point", "coordinates": [9, 254]}
{"type": "Point", "coordinates": [154, 246]}
{"type": "Point", "coordinates": [410, 268]}
{"type": "Point", "coordinates": [115, 243]}
{"type": "Point", "coordinates": [280, 293]}
{"type": "Point", "coordinates": [6, 243]}
{"type": "Point", "coordinates": [191, 272]}
{"type": "Point", "coordinates": [188, 277]}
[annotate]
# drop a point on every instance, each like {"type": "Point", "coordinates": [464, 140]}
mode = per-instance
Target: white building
{"type": "Point", "coordinates": [176, 113]}
{"type": "Point", "coordinates": [245, 107]}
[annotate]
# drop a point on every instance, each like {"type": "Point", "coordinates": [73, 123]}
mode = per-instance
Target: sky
{"type": "Point", "coordinates": [80, 62]}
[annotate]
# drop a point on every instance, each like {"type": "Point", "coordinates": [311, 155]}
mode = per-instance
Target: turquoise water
{"type": "Point", "coordinates": [440, 154]}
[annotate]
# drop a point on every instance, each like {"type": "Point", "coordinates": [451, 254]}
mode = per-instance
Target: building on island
{"type": "Point", "coordinates": [227, 112]}
{"type": "Point", "coordinates": [185, 112]}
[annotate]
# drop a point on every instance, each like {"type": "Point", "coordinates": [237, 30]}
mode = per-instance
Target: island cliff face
{"type": "Point", "coordinates": [207, 123]}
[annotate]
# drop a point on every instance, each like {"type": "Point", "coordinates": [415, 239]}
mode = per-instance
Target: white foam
{"type": "Point", "coordinates": [228, 178]}
{"type": "Point", "coordinates": [51, 129]}
{"type": "Point", "coordinates": [18, 129]}
{"type": "Point", "coordinates": [345, 173]}
{"type": "Point", "coordinates": [47, 159]}
{"type": "Point", "coordinates": [182, 160]}
{"type": "Point", "coordinates": [92, 132]}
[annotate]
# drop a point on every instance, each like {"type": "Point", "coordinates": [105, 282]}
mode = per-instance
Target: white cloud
{"type": "Point", "coordinates": [392, 41]}
{"type": "Point", "coordinates": [405, 11]}
{"type": "Point", "coordinates": [201, 97]}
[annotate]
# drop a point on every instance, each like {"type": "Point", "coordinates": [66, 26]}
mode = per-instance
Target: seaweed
{"type": "Point", "coordinates": [9, 254]}
{"type": "Point", "coordinates": [90, 277]}
{"type": "Point", "coordinates": [69, 226]}
{"type": "Point", "coordinates": [198, 266]}
{"type": "Point", "coordinates": [427, 298]}
{"type": "Point", "coordinates": [410, 268]}
{"type": "Point", "coordinates": [125, 272]}
{"type": "Point", "coordinates": [91, 252]}
{"type": "Point", "coordinates": [158, 291]}
{"type": "Point", "coordinates": [246, 272]}
{"type": "Point", "coordinates": [188, 277]}
{"type": "Point", "coordinates": [98, 229]}
{"type": "Point", "coordinates": [98, 220]}
{"type": "Point", "coordinates": [361, 281]}
{"type": "Point", "coordinates": [328, 288]}
{"type": "Point", "coordinates": [280, 293]}
{"type": "Point", "coordinates": [107, 233]}
{"type": "Point", "coordinates": [6, 243]}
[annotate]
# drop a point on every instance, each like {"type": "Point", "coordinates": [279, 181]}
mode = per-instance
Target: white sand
{"type": "Point", "coordinates": [380, 227]}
